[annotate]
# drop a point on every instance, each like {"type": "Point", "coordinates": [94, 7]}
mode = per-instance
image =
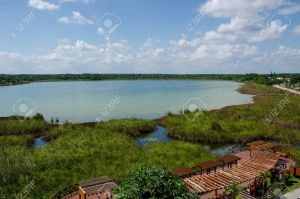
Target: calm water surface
{"type": "Point", "coordinates": [159, 135]}
{"type": "Point", "coordinates": [39, 142]}
{"type": "Point", "coordinates": [84, 101]}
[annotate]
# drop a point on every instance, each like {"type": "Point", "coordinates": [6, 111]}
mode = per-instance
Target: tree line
{"type": "Point", "coordinates": [268, 79]}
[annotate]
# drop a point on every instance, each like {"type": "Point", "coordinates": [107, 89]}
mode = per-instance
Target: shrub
{"type": "Point", "coordinates": [153, 182]}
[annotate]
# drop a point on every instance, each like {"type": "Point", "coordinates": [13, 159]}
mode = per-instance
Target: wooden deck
{"type": "Point", "coordinates": [242, 173]}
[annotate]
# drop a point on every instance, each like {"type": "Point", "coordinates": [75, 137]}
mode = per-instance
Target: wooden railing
{"type": "Point", "coordinates": [66, 192]}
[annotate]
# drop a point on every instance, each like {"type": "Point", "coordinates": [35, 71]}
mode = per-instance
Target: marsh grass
{"type": "Point", "coordinates": [132, 127]}
{"type": "Point", "coordinates": [15, 126]}
{"type": "Point", "coordinates": [77, 152]}
{"type": "Point", "coordinates": [241, 124]}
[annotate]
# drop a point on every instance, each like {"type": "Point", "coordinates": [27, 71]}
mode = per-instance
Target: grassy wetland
{"type": "Point", "coordinates": [83, 151]}
{"type": "Point", "coordinates": [274, 116]}
{"type": "Point", "coordinates": [77, 152]}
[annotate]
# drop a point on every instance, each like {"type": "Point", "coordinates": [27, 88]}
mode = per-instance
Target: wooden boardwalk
{"type": "Point", "coordinates": [241, 174]}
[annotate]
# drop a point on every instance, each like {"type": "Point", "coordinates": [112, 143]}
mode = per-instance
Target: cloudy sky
{"type": "Point", "coordinates": [142, 36]}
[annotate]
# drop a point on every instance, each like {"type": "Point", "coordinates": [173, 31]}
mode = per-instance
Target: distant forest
{"type": "Point", "coordinates": [268, 79]}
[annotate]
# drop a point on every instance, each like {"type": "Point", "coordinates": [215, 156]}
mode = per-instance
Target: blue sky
{"type": "Point", "coordinates": [141, 36]}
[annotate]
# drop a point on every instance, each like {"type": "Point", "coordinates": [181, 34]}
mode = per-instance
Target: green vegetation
{"type": "Point", "coordinates": [18, 126]}
{"type": "Point", "coordinates": [268, 79]}
{"type": "Point", "coordinates": [133, 127]}
{"type": "Point", "coordinates": [266, 180]}
{"type": "Point", "coordinates": [293, 183]}
{"type": "Point", "coordinates": [234, 191]}
{"type": "Point", "coordinates": [153, 182]}
{"type": "Point", "coordinates": [274, 116]}
{"type": "Point", "coordinates": [84, 151]}
{"type": "Point", "coordinates": [76, 152]}
{"type": "Point", "coordinates": [278, 188]}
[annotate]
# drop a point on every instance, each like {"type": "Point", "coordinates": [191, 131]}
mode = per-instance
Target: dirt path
{"type": "Point", "coordinates": [287, 89]}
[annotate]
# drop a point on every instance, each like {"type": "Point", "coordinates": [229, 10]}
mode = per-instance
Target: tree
{"type": "Point", "coordinates": [38, 116]}
{"type": "Point", "coordinates": [234, 190]}
{"type": "Point", "coordinates": [153, 182]}
{"type": "Point", "coordinates": [266, 179]}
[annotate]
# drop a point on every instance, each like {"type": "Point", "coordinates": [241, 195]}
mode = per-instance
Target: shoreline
{"type": "Point", "coordinates": [241, 86]}
{"type": "Point", "coordinates": [141, 79]}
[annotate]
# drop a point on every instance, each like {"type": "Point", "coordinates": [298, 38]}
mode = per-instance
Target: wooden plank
{"type": "Point", "coordinates": [239, 174]}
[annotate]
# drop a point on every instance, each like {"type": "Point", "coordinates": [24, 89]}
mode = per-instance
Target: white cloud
{"type": "Point", "coordinates": [229, 57]}
{"type": "Point", "coordinates": [271, 31]}
{"type": "Point", "coordinates": [285, 59]}
{"type": "Point", "coordinates": [297, 30]}
{"type": "Point", "coordinates": [76, 1]}
{"type": "Point", "coordinates": [43, 5]}
{"type": "Point", "coordinates": [231, 8]}
{"type": "Point", "coordinates": [197, 55]}
{"type": "Point", "coordinates": [76, 18]}
{"type": "Point", "coordinates": [290, 9]}
{"type": "Point", "coordinates": [183, 42]}
{"type": "Point", "coordinates": [149, 51]}
{"type": "Point", "coordinates": [243, 24]}
{"type": "Point", "coordinates": [215, 37]}
{"type": "Point", "coordinates": [252, 21]}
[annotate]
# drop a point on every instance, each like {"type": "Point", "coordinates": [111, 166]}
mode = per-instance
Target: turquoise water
{"type": "Point", "coordinates": [84, 101]}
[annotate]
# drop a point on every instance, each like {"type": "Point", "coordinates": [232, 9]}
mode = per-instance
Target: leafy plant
{"type": "Point", "coordinates": [233, 190]}
{"type": "Point", "coordinates": [266, 179]}
{"type": "Point", "coordinates": [153, 182]}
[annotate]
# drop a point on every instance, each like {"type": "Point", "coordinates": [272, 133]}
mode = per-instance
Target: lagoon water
{"type": "Point", "coordinates": [87, 101]}
{"type": "Point", "coordinates": [159, 135]}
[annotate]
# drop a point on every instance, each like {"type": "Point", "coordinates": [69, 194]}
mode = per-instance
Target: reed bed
{"type": "Point", "coordinates": [268, 119]}
{"type": "Point", "coordinates": [77, 152]}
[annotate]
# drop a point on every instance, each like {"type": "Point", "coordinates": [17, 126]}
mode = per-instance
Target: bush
{"type": "Point", "coordinates": [38, 116]}
{"type": "Point", "coordinates": [153, 182]}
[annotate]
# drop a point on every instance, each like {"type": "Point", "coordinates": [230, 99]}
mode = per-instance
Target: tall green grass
{"type": "Point", "coordinates": [78, 152]}
{"type": "Point", "coordinates": [14, 126]}
{"type": "Point", "coordinates": [241, 124]}
{"type": "Point", "coordinates": [133, 127]}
